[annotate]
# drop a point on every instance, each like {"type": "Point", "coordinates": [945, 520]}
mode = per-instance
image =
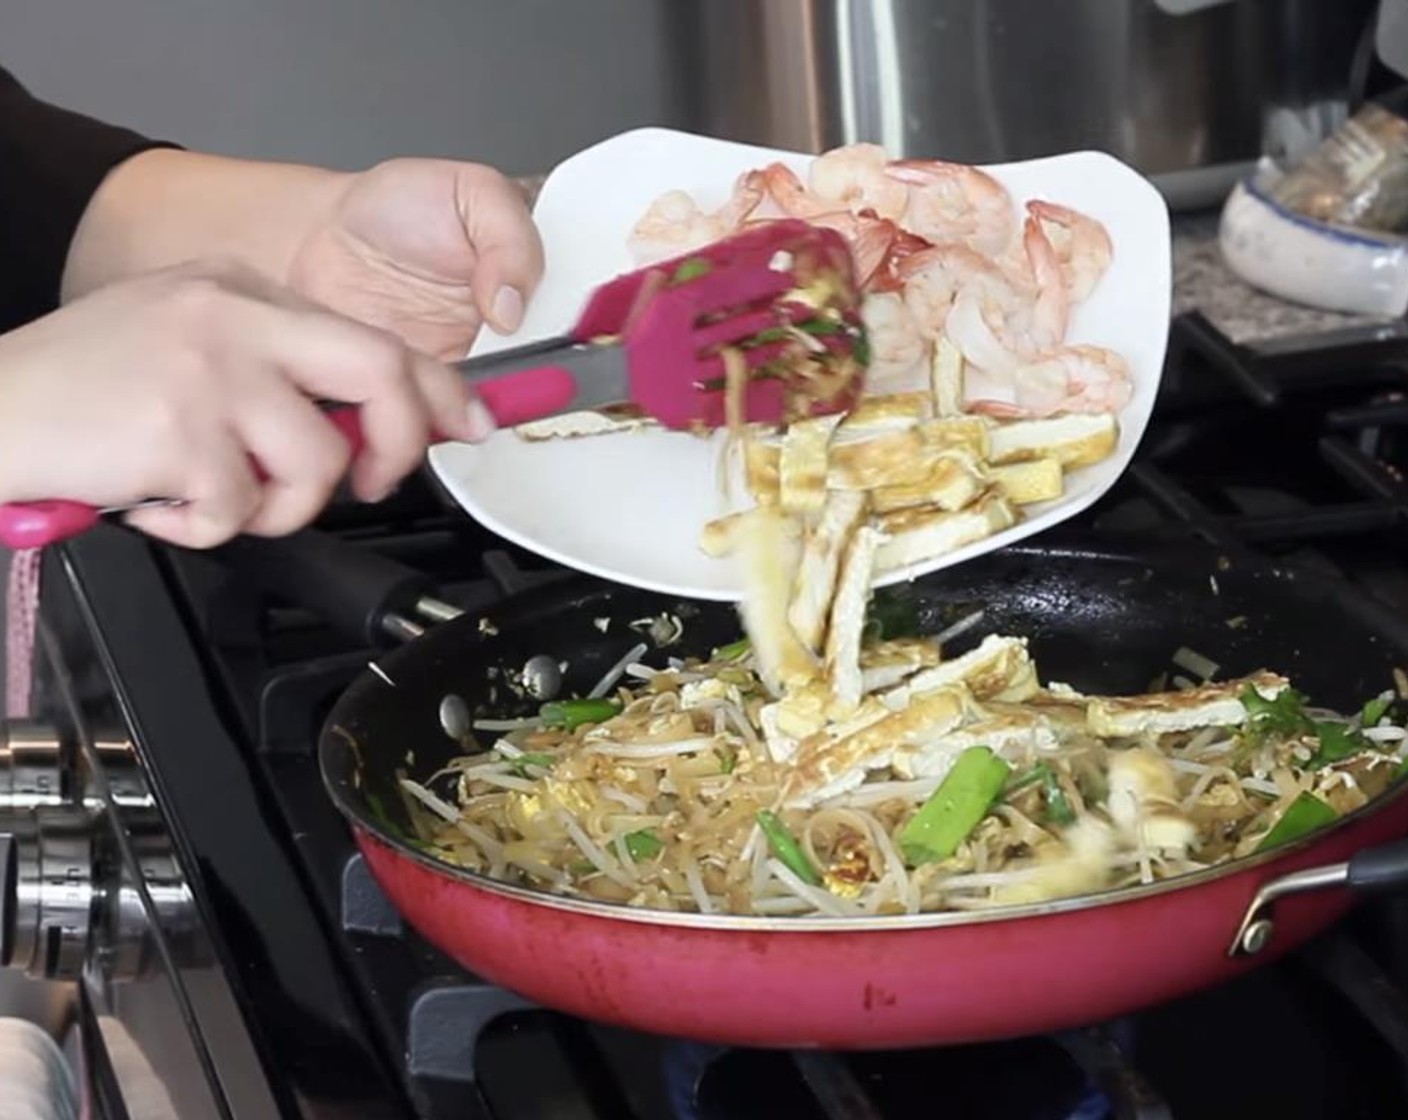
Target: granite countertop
{"type": "Point", "coordinates": [1202, 282]}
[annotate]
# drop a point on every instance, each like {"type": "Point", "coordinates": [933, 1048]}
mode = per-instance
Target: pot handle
{"type": "Point", "coordinates": [366, 596]}
{"type": "Point", "coordinates": [1373, 870]}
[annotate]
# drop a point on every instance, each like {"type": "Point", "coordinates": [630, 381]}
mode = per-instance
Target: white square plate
{"type": "Point", "coordinates": [629, 506]}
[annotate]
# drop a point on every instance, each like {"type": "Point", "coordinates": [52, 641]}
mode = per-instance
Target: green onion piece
{"type": "Point", "coordinates": [519, 765]}
{"type": "Point", "coordinates": [1374, 711]}
{"type": "Point", "coordinates": [787, 849]}
{"type": "Point", "coordinates": [733, 650]}
{"type": "Point", "coordinates": [1302, 816]}
{"type": "Point", "coordinates": [644, 844]}
{"type": "Point", "coordinates": [581, 867]}
{"type": "Point", "coordinates": [861, 349]}
{"type": "Point", "coordinates": [574, 713]}
{"type": "Point", "coordinates": [807, 326]}
{"type": "Point", "coordinates": [1338, 741]}
{"type": "Point", "coordinates": [1058, 806]}
{"type": "Point", "coordinates": [728, 761]}
{"type": "Point", "coordinates": [1018, 782]}
{"type": "Point", "coordinates": [691, 269]}
{"type": "Point", "coordinates": [378, 808]}
{"type": "Point", "coordinates": [955, 808]}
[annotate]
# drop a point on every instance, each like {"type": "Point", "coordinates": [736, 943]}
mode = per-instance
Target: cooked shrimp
{"type": "Point", "coordinates": [675, 224]}
{"type": "Point", "coordinates": [933, 277]}
{"type": "Point", "coordinates": [955, 202]}
{"type": "Point", "coordinates": [853, 177]}
{"type": "Point", "coordinates": [888, 277]}
{"type": "Point", "coordinates": [1001, 322]}
{"type": "Point", "coordinates": [1051, 309]}
{"type": "Point", "coordinates": [869, 240]}
{"type": "Point", "coordinates": [1072, 379]}
{"type": "Point", "coordinates": [898, 350]}
{"type": "Point", "coordinates": [1035, 390]}
{"type": "Point", "coordinates": [1080, 243]}
{"type": "Point", "coordinates": [1099, 379]}
{"type": "Point", "coordinates": [792, 196]}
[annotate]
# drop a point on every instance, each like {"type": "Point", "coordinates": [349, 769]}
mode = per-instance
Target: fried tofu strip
{"type": "Point", "coordinates": [890, 411]}
{"type": "Point", "coordinates": [999, 669]}
{"type": "Point", "coordinates": [825, 545]}
{"type": "Point", "coordinates": [720, 536]}
{"type": "Point", "coordinates": [1014, 733]}
{"type": "Point", "coordinates": [1213, 705]}
{"type": "Point", "coordinates": [1144, 801]}
{"type": "Point", "coordinates": [761, 461]}
{"type": "Point", "coordinates": [576, 425]}
{"type": "Point", "coordinates": [886, 664]}
{"type": "Point", "coordinates": [770, 557]}
{"type": "Point", "coordinates": [966, 433]}
{"type": "Point", "coordinates": [802, 465]}
{"type": "Point", "coordinates": [842, 662]}
{"type": "Point", "coordinates": [891, 459]}
{"type": "Point", "coordinates": [1076, 440]}
{"type": "Point", "coordinates": [947, 378]}
{"type": "Point", "coordinates": [1076, 863]}
{"type": "Point", "coordinates": [923, 532]}
{"type": "Point", "coordinates": [1036, 480]}
{"type": "Point", "coordinates": [953, 480]}
{"type": "Point", "coordinates": [826, 768]}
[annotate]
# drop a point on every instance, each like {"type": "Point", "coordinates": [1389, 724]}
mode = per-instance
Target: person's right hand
{"type": "Point", "coordinates": [167, 385]}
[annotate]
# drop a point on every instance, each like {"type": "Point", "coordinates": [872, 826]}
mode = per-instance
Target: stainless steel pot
{"type": "Point", "coordinates": [1188, 91]}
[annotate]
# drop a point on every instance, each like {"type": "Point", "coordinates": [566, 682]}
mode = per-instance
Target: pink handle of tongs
{"type": "Point", "coordinates": [517, 398]}
{"type": "Point", "coordinates": [25, 525]}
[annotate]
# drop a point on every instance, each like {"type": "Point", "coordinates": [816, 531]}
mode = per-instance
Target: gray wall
{"type": "Point", "coordinates": [516, 83]}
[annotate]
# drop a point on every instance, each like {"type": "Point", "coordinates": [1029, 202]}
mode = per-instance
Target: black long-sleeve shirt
{"type": "Point", "coordinates": [52, 160]}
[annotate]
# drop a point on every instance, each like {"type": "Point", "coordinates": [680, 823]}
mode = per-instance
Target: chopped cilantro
{"type": "Point", "coordinates": [1284, 715]}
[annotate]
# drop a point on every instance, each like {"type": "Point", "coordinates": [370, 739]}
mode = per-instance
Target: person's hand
{"type": "Point", "coordinates": [428, 249]}
{"type": "Point", "coordinates": [167, 385]}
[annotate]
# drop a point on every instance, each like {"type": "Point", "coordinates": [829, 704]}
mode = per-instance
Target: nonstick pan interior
{"type": "Point", "coordinates": [1100, 621]}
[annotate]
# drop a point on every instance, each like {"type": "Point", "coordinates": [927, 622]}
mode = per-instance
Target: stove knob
{"type": "Point", "coordinates": [46, 891]}
{"type": "Point", "coordinates": [35, 765]}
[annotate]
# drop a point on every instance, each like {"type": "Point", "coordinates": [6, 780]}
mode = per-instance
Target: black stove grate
{"type": "Point", "coordinates": [1292, 449]}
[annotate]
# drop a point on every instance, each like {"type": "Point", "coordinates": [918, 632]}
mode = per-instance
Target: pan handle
{"type": "Point", "coordinates": [1371, 871]}
{"type": "Point", "coordinates": [366, 596]}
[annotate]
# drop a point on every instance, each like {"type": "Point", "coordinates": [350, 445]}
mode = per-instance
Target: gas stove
{"type": "Point", "coordinates": [169, 847]}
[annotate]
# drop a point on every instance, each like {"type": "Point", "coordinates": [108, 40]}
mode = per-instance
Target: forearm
{"type": "Point", "coordinates": [52, 160]}
{"type": "Point", "coordinates": [162, 207]}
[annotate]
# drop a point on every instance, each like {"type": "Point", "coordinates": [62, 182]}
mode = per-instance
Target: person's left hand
{"type": "Point", "coordinates": [426, 248]}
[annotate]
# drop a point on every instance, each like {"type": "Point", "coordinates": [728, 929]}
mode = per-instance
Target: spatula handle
{"type": "Point", "coordinates": [531, 382]}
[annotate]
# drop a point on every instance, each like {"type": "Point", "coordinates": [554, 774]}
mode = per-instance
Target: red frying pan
{"type": "Point", "coordinates": [1100, 620]}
